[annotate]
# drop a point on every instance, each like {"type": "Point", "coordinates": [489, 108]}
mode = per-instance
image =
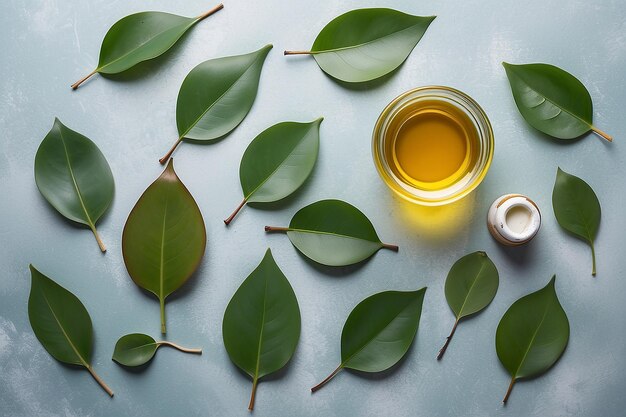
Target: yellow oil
{"type": "Point", "coordinates": [431, 145]}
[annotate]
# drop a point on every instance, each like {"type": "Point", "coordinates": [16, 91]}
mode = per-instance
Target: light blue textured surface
{"type": "Point", "coordinates": [48, 44]}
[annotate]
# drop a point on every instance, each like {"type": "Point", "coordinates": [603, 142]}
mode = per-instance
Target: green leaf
{"type": "Point", "coordinates": [379, 331]}
{"type": "Point", "coordinates": [532, 334]}
{"type": "Point", "coordinates": [577, 209]}
{"type": "Point", "coordinates": [277, 162]}
{"type": "Point", "coordinates": [61, 323]}
{"type": "Point", "coordinates": [137, 349]}
{"type": "Point", "coordinates": [141, 37]}
{"type": "Point", "coordinates": [333, 232]}
{"type": "Point", "coordinates": [365, 44]}
{"type": "Point", "coordinates": [261, 324]}
{"type": "Point", "coordinates": [216, 96]}
{"type": "Point", "coordinates": [552, 100]}
{"type": "Point", "coordinates": [73, 175]}
{"type": "Point", "coordinates": [164, 238]}
{"type": "Point", "coordinates": [471, 285]}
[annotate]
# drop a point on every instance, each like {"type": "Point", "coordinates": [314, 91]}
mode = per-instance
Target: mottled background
{"type": "Point", "coordinates": [48, 44]}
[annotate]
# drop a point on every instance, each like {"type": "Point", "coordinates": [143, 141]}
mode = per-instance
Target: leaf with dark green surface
{"type": "Point", "coordinates": [577, 209]}
{"type": "Point", "coordinates": [379, 331]}
{"type": "Point", "coordinates": [164, 238]}
{"type": "Point", "coordinates": [73, 175]}
{"type": "Point", "coordinates": [137, 349]}
{"type": "Point", "coordinates": [216, 96]}
{"type": "Point", "coordinates": [140, 37]}
{"type": "Point", "coordinates": [61, 323]}
{"type": "Point", "coordinates": [277, 162]}
{"type": "Point", "coordinates": [552, 100]}
{"type": "Point", "coordinates": [471, 285]}
{"type": "Point", "coordinates": [333, 233]}
{"type": "Point", "coordinates": [261, 324]}
{"type": "Point", "coordinates": [532, 334]}
{"type": "Point", "coordinates": [365, 44]}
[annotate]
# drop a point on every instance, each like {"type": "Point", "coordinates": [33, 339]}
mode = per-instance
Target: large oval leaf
{"type": "Point", "coordinates": [532, 334]}
{"type": "Point", "coordinates": [164, 238]}
{"type": "Point", "coordinates": [137, 349]}
{"type": "Point", "coordinates": [379, 331]}
{"type": "Point", "coordinates": [577, 209]}
{"type": "Point", "coordinates": [365, 44]}
{"type": "Point", "coordinates": [552, 100]}
{"type": "Point", "coordinates": [333, 232]}
{"type": "Point", "coordinates": [140, 37]}
{"type": "Point", "coordinates": [61, 323]}
{"type": "Point", "coordinates": [73, 175]}
{"type": "Point", "coordinates": [471, 285]}
{"type": "Point", "coordinates": [261, 324]}
{"type": "Point", "coordinates": [277, 162]}
{"type": "Point", "coordinates": [216, 96]}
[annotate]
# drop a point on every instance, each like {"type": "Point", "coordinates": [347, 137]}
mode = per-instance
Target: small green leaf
{"type": "Point", "coordinates": [73, 175]}
{"type": "Point", "coordinates": [379, 331]}
{"type": "Point", "coordinates": [261, 324]}
{"type": "Point", "coordinates": [577, 209]}
{"type": "Point", "coordinates": [61, 323]}
{"type": "Point", "coordinates": [333, 232]}
{"type": "Point", "coordinates": [164, 238]}
{"type": "Point", "coordinates": [532, 334]}
{"type": "Point", "coordinates": [365, 44]}
{"type": "Point", "coordinates": [141, 37]}
{"type": "Point", "coordinates": [277, 162]}
{"type": "Point", "coordinates": [471, 285]}
{"type": "Point", "coordinates": [137, 349]}
{"type": "Point", "coordinates": [216, 96]}
{"type": "Point", "coordinates": [552, 100]}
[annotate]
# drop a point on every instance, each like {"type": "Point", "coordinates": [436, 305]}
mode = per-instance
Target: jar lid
{"type": "Point", "coordinates": [513, 219]}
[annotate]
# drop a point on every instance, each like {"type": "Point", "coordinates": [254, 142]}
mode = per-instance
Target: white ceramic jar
{"type": "Point", "coordinates": [513, 219]}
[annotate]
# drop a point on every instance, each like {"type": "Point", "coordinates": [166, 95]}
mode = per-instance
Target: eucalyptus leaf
{"type": "Point", "coordinates": [552, 100]}
{"type": "Point", "coordinates": [73, 175]}
{"type": "Point", "coordinates": [141, 37]}
{"type": "Point", "coordinates": [471, 285]}
{"type": "Point", "coordinates": [577, 209]}
{"type": "Point", "coordinates": [277, 162]}
{"type": "Point", "coordinates": [379, 331]}
{"type": "Point", "coordinates": [365, 44]}
{"type": "Point", "coordinates": [261, 324]}
{"type": "Point", "coordinates": [532, 334]}
{"type": "Point", "coordinates": [137, 349]}
{"type": "Point", "coordinates": [333, 233]}
{"type": "Point", "coordinates": [164, 238]}
{"type": "Point", "coordinates": [216, 96]}
{"type": "Point", "coordinates": [61, 323]}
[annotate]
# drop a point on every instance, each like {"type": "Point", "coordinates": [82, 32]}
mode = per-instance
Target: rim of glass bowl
{"type": "Point", "coordinates": [460, 188]}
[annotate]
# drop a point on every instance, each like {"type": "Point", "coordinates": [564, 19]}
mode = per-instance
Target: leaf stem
{"type": "Point", "coordinates": [182, 349]}
{"type": "Point", "coordinates": [508, 391]}
{"type": "Point", "coordinates": [448, 339]}
{"type": "Point", "coordinates": [276, 229]}
{"type": "Point", "coordinates": [210, 12]}
{"type": "Point", "coordinates": [169, 153]}
{"type": "Point", "coordinates": [390, 247]}
{"type": "Point", "coordinates": [100, 242]}
{"type": "Point", "coordinates": [299, 53]}
{"type": "Point", "coordinates": [100, 381]}
{"type": "Point", "coordinates": [162, 305]}
{"type": "Point", "coordinates": [328, 378]}
{"type": "Point", "coordinates": [82, 80]}
{"type": "Point", "coordinates": [232, 216]}
{"type": "Point", "coordinates": [602, 134]}
{"type": "Point", "coordinates": [593, 259]}
{"type": "Point", "coordinates": [253, 394]}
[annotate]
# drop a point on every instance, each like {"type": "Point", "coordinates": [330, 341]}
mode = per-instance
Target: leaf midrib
{"type": "Point", "coordinates": [470, 290]}
{"type": "Point", "coordinates": [258, 354]}
{"type": "Point", "coordinates": [581, 217]}
{"type": "Point", "coordinates": [545, 313]}
{"type": "Point", "coordinates": [319, 232]}
{"type": "Point", "coordinates": [162, 261]}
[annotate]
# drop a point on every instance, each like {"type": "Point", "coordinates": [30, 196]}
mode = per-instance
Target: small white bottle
{"type": "Point", "coordinates": [513, 219]}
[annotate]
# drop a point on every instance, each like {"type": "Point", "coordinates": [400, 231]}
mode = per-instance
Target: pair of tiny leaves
{"type": "Point", "coordinates": [164, 238]}
{"type": "Point", "coordinates": [137, 349]}
{"type": "Point", "coordinates": [333, 233]}
{"type": "Point", "coordinates": [61, 323]}
{"type": "Point", "coordinates": [74, 177]}
{"type": "Point", "coordinates": [552, 100]}
{"type": "Point", "coordinates": [277, 162]}
{"type": "Point", "coordinates": [577, 209]}
{"type": "Point", "coordinates": [140, 37]}
{"type": "Point", "coordinates": [365, 44]}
